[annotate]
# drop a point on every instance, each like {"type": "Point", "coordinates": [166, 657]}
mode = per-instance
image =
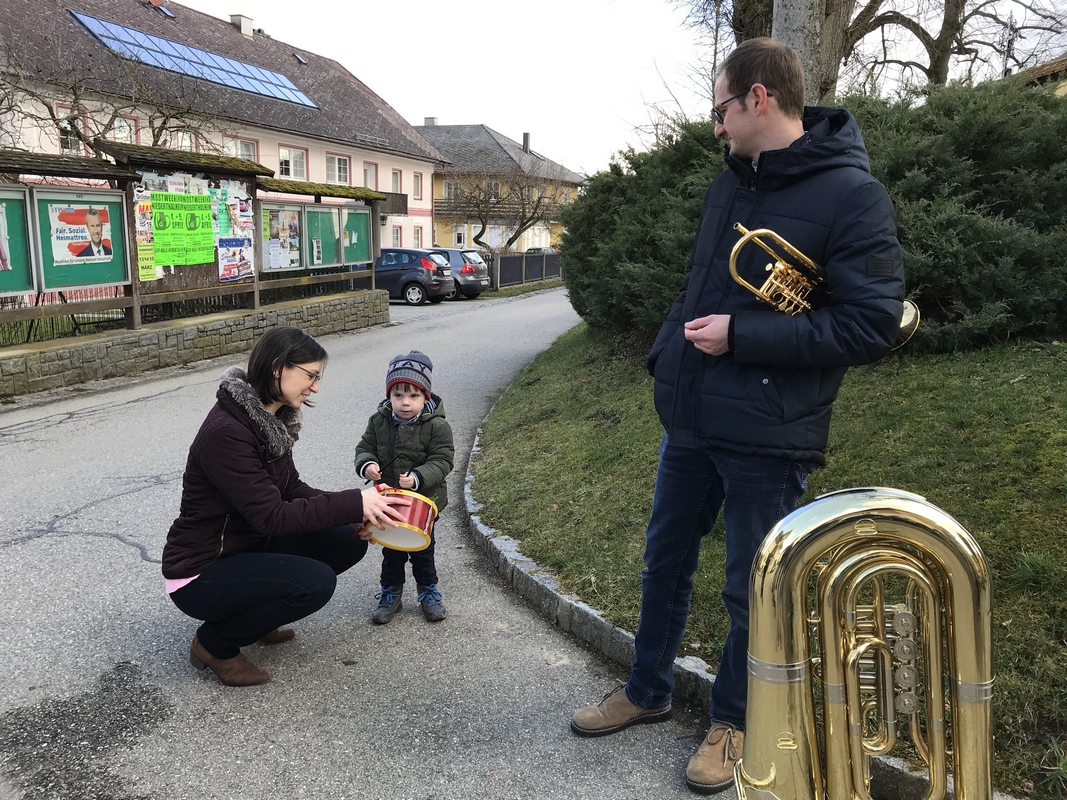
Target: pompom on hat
{"type": "Point", "coordinates": [414, 368]}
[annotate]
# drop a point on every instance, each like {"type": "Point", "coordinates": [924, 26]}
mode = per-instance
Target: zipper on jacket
{"type": "Point", "coordinates": [222, 536]}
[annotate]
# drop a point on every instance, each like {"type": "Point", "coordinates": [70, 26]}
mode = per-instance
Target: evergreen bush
{"type": "Point", "coordinates": [977, 176]}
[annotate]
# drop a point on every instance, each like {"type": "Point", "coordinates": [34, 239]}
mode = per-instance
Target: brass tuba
{"type": "Point", "coordinates": [826, 574]}
{"type": "Point", "coordinates": [789, 284]}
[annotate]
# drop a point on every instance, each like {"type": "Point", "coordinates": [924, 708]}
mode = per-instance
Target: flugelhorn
{"type": "Point", "coordinates": [883, 601]}
{"type": "Point", "coordinates": [789, 285]}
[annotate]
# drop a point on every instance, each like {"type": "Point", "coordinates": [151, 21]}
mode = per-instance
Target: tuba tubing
{"type": "Point", "coordinates": [863, 532]}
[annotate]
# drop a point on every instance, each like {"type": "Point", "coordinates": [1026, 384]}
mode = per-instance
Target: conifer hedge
{"type": "Point", "coordinates": [978, 177]}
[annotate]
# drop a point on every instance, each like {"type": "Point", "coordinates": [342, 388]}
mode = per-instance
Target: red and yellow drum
{"type": "Point", "coordinates": [413, 533]}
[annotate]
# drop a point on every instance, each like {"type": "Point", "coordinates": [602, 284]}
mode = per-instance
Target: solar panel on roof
{"type": "Point", "coordinates": [192, 61]}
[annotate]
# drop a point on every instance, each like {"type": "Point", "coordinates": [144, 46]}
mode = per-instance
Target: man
{"type": "Point", "coordinates": [744, 391]}
{"type": "Point", "coordinates": [94, 224]}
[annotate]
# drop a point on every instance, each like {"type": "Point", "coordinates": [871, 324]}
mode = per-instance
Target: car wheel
{"type": "Point", "coordinates": [414, 295]}
{"type": "Point", "coordinates": [453, 295]}
{"type": "Point", "coordinates": [438, 299]}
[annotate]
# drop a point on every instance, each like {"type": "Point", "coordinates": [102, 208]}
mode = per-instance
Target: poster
{"type": "Point", "coordinates": [5, 241]}
{"type": "Point", "coordinates": [182, 229]}
{"type": "Point", "coordinates": [235, 258]}
{"type": "Point", "coordinates": [79, 233]}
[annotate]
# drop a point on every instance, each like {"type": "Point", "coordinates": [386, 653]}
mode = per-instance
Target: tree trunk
{"type": "Point", "coordinates": [798, 23]}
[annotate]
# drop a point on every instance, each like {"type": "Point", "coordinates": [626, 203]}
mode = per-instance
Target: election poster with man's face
{"type": "Point", "coordinates": [79, 234]}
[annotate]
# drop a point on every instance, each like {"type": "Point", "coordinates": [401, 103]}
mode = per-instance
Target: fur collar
{"type": "Point", "coordinates": [280, 430]}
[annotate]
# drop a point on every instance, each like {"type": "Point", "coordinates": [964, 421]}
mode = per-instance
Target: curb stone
{"type": "Point", "coordinates": [693, 678]}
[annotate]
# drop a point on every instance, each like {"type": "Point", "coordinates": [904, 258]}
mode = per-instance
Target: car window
{"type": "Point", "coordinates": [438, 259]}
{"type": "Point", "coordinates": [471, 257]}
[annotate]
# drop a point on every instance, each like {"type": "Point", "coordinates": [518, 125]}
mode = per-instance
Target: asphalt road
{"type": "Point", "coordinates": [98, 701]}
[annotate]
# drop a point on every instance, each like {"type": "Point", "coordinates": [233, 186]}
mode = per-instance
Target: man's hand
{"type": "Point", "coordinates": [710, 334]}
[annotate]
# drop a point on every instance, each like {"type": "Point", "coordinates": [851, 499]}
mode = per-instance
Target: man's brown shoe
{"type": "Point", "coordinates": [615, 713]}
{"type": "Point", "coordinates": [711, 769]}
{"type": "Point", "coordinates": [278, 635]}
{"type": "Point", "coordinates": [236, 671]}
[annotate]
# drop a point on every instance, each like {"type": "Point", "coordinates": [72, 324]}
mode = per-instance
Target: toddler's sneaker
{"type": "Point", "coordinates": [430, 600]}
{"type": "Point", "coordinates": [389, 604]}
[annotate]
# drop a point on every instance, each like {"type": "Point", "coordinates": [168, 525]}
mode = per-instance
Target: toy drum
{"type": "Point", "coordinates": [413, 533]}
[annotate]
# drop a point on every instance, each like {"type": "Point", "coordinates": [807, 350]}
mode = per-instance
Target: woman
{"type": "Point", "coordinates": [254, 547]}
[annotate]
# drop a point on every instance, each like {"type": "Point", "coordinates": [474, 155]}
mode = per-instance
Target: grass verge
{"type": "Point", "coordinates": [568, 463]}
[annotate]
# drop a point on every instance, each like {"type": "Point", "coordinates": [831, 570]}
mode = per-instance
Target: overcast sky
{"type": "Point", "coordinates": [577, 75]}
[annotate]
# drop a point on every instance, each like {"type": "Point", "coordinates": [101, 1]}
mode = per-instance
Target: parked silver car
{"type": "Point", "coordinates": [470, 273]}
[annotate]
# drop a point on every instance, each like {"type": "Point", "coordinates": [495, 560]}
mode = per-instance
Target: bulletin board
{"type": "Point", "coordinates": [355, 235]}
{"type": "Point", "coordinates": [79, 237]}
{"type": "Point", "coordinates": [283, 236]}
{"type": "Point", "coordinates": [323, 236]}
{"type": "Point", "coordinates": [16, 266]}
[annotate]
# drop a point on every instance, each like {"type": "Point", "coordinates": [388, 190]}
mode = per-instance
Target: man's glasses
{"type": "Point", "coordinates": [718, 111]}
{"type": "Point", "coordinates": [315, 376]}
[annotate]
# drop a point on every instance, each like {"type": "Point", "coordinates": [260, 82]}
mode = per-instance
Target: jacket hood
{"type": "Point", "coordinates": [279, 431]}
{"type": "Point", "coordinates": [831, 139]}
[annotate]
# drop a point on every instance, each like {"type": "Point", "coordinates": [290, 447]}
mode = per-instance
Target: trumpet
{"type": "Point", "coordinates": [789, 285]}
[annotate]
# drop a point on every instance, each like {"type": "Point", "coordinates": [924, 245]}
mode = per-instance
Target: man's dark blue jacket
{"type": "Point", "coordinates": [772, 393]}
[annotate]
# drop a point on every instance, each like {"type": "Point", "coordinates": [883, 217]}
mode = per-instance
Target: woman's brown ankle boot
{"type": "Point", "coordinates": [236, 671]}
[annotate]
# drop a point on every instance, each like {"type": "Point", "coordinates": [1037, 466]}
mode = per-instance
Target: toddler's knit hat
{"type": "Point", "coordinates": [415, 368]}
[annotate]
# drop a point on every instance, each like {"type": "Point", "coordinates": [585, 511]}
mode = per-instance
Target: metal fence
{"type": "Point", "coordinates": [43, 329]}
{"type": "Point", "coordinates": [522, 268]}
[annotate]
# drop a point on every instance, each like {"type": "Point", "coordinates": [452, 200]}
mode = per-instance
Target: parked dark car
{"type": "Point", "coordinates": [413, 275]}
{"type": "Point", "coordinates": [541, 251]}
{"type": "Point", "coordinates": [469, 271]}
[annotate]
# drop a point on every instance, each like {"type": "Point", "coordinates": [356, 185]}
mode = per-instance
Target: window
{"type": "Point", "coordinates": [370, 175]}
{"type": "Point", "coordinates": [68, 139]}
{"type": "Point", "coordinates": [337, 169]}
{"type": "Point", "coordinates": [246, 149]}
{"type": "Point", "coordinates": [182, 140]}
{"type": "Point", "coordinates": [292, 163]}
{"type": "Point", "coordinates": [461, 237]}
{"type": "Point", "coordinates": [416, 186]}
{"type": "Point", "coordinates": [397, 181]}
{"type": "Point", "coordinates": [397, 240]}
{"type": "Point", "coordinates": [566, 196]}
{"type": "Point", "coordinates": [124, 130]}
{"type": "Point", "coordinates": [492, 190]}
{"type": "Point", "coordinates": [416, 238]}
{"type": "Point", "coordinates": [451, 190]}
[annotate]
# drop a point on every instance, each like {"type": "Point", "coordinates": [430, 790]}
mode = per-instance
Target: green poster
{"type": "Point", "coordinates": [182, 229]}
{"type": "Point", "coordinates": [146, 263]}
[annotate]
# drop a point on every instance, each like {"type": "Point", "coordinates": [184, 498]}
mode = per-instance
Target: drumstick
{"type": "Point", "coordinates": [381, 467]}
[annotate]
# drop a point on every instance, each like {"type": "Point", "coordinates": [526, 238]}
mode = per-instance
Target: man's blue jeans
{"type": "Point", "coordinates": [692, 485]}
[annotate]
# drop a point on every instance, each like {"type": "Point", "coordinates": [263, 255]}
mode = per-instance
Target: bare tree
{"type": "Point", "coordinates": [52, 94]}
{"type": "Point", "coordinates": [515, 201]}
{"type": "Point", "coordinates": [910, 42]}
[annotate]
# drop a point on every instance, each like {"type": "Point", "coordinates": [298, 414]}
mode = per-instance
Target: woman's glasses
{"type": "Point", "coordinates": [315, 376]}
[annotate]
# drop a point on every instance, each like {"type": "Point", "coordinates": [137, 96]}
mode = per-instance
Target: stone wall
{"type": "Point", "coordinates": [65, 362]}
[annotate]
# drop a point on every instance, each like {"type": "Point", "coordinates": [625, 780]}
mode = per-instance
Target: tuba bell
{"type": "Point", "coordinates": [789, 285]}
{"type": "Point", "coordinates": [882, 602]}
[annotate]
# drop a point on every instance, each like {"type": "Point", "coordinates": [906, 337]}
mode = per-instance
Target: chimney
{"type": "Point", "coordinates": [429, 122]}
{"type": "Point", "coordinates": [526, 143]}
{"type": "Point", "coordinates": [243, 24]}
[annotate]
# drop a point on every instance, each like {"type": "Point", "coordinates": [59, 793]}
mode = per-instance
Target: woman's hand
{"type": "Point", "coordinates": [372, 472]}
{"type": "Point", "coordinates": [378, 508]}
